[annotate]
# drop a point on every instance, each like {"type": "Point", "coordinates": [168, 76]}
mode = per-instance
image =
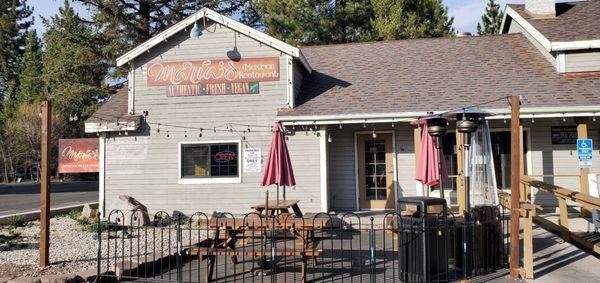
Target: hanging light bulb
{"type": "Point", "coordinates": [392, 122]}
{"type": "Point", "coordinates": [504, 119]}
{"type": "Point", "coordinates": [594, 118]}
{"type": "Point", "coordinates": [97, 134]}
{"type": "Point", "coordinates": [365, 124]}
{"type": "Point", "coordinates": [168, 134]}
{"type": "Point", "coordinates": [564, 119]}
{"type": "Point", "coordinates": [374, 135]}
{"type": "Point", "coordinates": [214, 129]}
{"type": "Point", "coordinates": [532, 118]}
{"type": "Point", "coordinates": [248, 128]}
{"type": "Point", "coordinates": [329, 137]}
{"type": "Point", "coordinates": [158, 129]}
{"type": "Point", "coordinates": [126, 133]}
{"type": "Point", "coordinates": [185, 135]}
{"type": "Point", "coordinates": [340, 124]}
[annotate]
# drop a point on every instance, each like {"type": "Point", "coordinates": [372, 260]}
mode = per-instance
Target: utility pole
{"type": "Point", "coordinates": [515, 181]}
{"type": "Point", "coordinates": [45, 185]}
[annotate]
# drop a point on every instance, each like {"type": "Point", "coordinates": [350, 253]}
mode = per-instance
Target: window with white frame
{"type": "Point", "coordinates": [203, 162]}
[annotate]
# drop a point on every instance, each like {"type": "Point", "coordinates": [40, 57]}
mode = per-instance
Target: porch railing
{"type": "Point", "coordinates": [325, 247]}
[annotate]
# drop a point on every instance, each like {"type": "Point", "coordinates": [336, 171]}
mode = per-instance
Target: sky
{"type": "Point", "coordinates": [466, 13]}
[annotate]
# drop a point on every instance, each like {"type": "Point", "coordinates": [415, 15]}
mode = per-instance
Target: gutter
{"type": "Point", "coordinates": [499, 113]}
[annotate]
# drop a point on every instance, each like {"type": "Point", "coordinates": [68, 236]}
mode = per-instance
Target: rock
{"type": "Point", "coordinates": [25, 280]}
{"type": "Point", "coordinates": [88, 212]}
{"type": "Point", "coordinates": [61, 278]}
{"type": "Point", "coordinates": [123, 234]}
{"type": "Point", "coordinates": [134, 213]}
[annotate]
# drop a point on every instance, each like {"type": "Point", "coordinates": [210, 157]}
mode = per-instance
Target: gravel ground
{"type": "Point", "coordinates": [72, 249]}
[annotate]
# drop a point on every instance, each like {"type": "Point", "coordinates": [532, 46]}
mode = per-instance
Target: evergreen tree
{"type": "Point", "coordinates": [301, 22]}
{"type": "Point", "coordinates": [15, 20]}
{"type": "Point", "coordinates": [73, 71]}
{"type": "Point", "coordinates": [491, 19]}
{"type": "Point", "coordinates": [30, 79]}
{"type": "Point", "coordinates": [403, 19]}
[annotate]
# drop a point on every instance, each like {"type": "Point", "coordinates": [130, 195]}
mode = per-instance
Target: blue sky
{"type": "Point", "coordinates": [466, 13]}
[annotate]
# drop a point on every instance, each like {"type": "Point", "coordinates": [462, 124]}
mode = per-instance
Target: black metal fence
{"type": "Point", "coordinates": [324, 247]}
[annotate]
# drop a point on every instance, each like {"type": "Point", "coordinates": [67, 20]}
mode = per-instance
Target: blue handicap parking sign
{"type": "Point", "coordinates": [584, 149]}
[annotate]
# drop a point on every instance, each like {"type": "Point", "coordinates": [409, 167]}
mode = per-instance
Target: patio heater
{"type": "Point", "coordinates": [467, 122]}
{"type": "Point", "coordinates": [437, 127]}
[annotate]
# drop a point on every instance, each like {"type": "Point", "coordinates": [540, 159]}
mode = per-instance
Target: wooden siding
{"type": "Point", "coordinates": [517, 28]}
{"type": "Point", "coordinates": [342, 170]}
{"type": "Point", "coordinates": [146, 166]}
{"type": "Point", "coordinates": [583, 61]}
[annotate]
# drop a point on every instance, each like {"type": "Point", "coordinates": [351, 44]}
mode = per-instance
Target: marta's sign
{"type": "Point", "coordinates": [78, 155]}
{"type": "Point", "coordinates": [213, 77]}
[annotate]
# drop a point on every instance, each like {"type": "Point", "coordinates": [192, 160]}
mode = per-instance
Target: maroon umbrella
{"type": "Point", "coordinates": [278, 170]}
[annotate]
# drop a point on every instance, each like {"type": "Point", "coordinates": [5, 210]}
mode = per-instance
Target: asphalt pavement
{"type": "Point", "coordinates": [17, 198]}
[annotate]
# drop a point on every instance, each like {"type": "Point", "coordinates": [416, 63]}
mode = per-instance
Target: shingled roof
{"type": "Point", "coordinates": [434, 75]}
{"type": "Point", "coordinates": [112, 115]}
{"type": "Point", "coordinates": [574, 21]}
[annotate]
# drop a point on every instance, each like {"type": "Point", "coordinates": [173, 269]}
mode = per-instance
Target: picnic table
{"type": "Point", "coordinates": [283, 207]}
{"type": "Point", "coordinates": [229, 230]}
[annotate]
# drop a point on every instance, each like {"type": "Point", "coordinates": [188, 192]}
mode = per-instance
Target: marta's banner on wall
{"type": "Point", "coordinates": [78, 155]}
{"type": "Point", "coordinates": [213, 77]}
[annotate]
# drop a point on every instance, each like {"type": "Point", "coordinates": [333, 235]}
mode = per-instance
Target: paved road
{"type": "Point", "coordinates": [17, 198]}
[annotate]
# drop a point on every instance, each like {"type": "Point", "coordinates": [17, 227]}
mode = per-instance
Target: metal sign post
{"type": "Point", "coordinates": [45, 185]}
{"type": "Point", "coordinates": [584, 152]}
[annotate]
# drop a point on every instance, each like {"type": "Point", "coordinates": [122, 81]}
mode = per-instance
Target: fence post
{"type": "Point", "coordinates": [99, 247]}
{"type": "Point", "coordinates": [529, 208]}
{"type": "Point", "coordinates": [178, 257]}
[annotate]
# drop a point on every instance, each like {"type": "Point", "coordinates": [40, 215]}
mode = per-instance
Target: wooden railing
{"type": "Point", "coordinates": [528, 212]}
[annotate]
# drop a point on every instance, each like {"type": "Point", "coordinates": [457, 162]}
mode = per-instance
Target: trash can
{"type": "Point", "coordinates": [478, 246]}
{"type": "Point", "coordinates": [422, 239]}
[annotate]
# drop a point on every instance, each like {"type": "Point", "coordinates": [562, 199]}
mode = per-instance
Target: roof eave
{"type": "Point", "coordinates": [223, 20]}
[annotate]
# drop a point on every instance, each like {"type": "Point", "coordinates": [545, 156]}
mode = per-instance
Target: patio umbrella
{"type": "Point", "coordinates": [427, 163]}
{"type": "Point", "coordinates": [278, 170]}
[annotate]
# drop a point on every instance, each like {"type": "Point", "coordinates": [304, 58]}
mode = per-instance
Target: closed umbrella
{"type": "Point", "coordinates": [278, 170]}
{"type": "Point", "coordinates": [427, 162]}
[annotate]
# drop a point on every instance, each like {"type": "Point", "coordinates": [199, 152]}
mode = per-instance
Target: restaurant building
{"type": "Point", "coordinates": [191, 131]}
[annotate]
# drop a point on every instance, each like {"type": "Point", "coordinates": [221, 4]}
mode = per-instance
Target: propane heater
{"type": "Point", "coordinates": [437, 127]}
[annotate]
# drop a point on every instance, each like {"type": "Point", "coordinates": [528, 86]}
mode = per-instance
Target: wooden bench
{"type": "Point", "coordinates": [211, 253]}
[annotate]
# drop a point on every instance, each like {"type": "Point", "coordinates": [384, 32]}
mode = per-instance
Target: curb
{"type": "Point", "coordinates": [35, 215]}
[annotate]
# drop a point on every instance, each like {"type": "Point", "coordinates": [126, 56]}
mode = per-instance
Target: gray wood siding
{"type": "Point", "coordinates": [517, 28]}
{"type": "Point", "coordinates": [146, 166]}
{"type": "Point", "coordinates": [583, 61]}
{"type": "Point", "coordinates": [342, 170]}
{"type": "Point", "coordinates": [546, 158]}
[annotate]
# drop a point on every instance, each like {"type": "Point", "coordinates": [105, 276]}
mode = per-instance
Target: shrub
{"type": "Point", "coordinates": [15, 222]}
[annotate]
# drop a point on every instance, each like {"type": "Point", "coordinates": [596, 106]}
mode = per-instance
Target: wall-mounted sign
{"type": "Point", "coordinates": [78, 155]}
{"type": "Point", "coordinates": [584, 152]}
{"type": "Point", "coordinates": [252, 160]}
{"type": "Point", "coordinates": [212, 89]}
{"type": "Point", "coordinates": [224, 156]}
{"type": "Point", "coordinates": [564, 135]}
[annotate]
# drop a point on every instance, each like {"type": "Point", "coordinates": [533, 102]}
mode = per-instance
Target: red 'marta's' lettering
{"type": "Point", "coordinates": [213, 71]}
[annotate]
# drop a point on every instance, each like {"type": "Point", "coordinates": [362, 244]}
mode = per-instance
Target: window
{"type": "Point", "coordinates": [209, 163]}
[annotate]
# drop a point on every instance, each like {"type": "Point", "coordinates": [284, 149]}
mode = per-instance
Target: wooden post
{"type": "Point", "coordinates": [582, 133]}
{"type": "Point", "coordinates": [563, 219]}
{"type": "Point", "coordinates": [528, 241]}
{"type": "Point", "coordinates": [461, 193]}
{"type": "Point", "coordinates": [515, 171]}
{"type": "Point", "coordinates": [45, 185]}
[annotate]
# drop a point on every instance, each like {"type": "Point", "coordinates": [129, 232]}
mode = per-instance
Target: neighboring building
{"type": "Point", "coordinates": [347, 109]}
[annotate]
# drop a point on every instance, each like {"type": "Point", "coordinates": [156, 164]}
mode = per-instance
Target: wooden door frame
{"type": "Point", "coordinates": [394, 164]}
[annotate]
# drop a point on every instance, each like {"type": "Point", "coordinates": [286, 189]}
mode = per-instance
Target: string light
{"type": "Point", "coordinates": [374, 133]}
{"type": "Point", "coordinates": [168, 134]}
{"type": "Point", "coordinates": [392, 122]}
{"type": "Point", "coordinates": [594, 118]}
{"type": "Point", "coordinates": [248, 128]}
{"type": "Point", "coordinates": [340, 124]}
{"type": "Point", "coordinates": [365, 124]}
{"type": "Point", "coordinates": [329, 137]}
{"type": "Point", "coordinates": [564, 119]}
{"type": "Point", "coordinates": [185, 135]}
{"type": "Point", "coordinates": [504, 119]}
{"type": "Point", "coordinates": [532, 118]}
{"type": "Point", "coordinates": [158, 129]}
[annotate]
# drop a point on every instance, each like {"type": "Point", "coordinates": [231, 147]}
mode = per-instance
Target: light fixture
{"type": "Point", "coordinates": [504, 119]}
{"type": "Point", "coordinates": [392, 122]}
{"type": "Point", "coordinates": [365, 124]}
{"type": "Point", "coordinates": [532, 118]}
{"type": "Point", "coordinates": [196, 31]}
{"type": "Point", "coordinates": [374, 135]}
{"type": "Point", "coordinates": [594, 117]}
{"type": "Point", "coordinates": [168, 134]}
{"type": "Point", "coordinates": [329, 137]}
{"type": "Point", "coordinates": [185, 134]}
{"type": "Point", "coordinates": [340, 124]}
{"type": "Point", "coordinates": [563, 116]}
{"type": "Point", "coordinates": [158, 129]}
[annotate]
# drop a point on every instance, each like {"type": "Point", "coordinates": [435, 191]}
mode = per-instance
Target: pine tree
{"type": "Point", "coordinates": [15, 20]}
{"type": "Point", "coordinates": [404, 19]}
{"type": "Point", "coordinates": [74, 72]}
{"type": "Point", "coordinates": [491, 19]}
{"type": "Point", "coordinates": [31, 85]}
{"type": "Point", "coordinates": [301, 22]}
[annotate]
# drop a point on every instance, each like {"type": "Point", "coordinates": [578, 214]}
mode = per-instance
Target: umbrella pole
{"type": "Point", "coordinates": [283, 192]}
{"type": "Point", "coordinates": [440, 175]}
{"type": "Point", "coordinates": [277, 194]}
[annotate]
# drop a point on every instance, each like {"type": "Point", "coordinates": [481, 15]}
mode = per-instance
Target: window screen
{"type": "Point", "coordinates": [209, 160]}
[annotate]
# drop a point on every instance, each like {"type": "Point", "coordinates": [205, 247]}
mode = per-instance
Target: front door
{"type": "Point", "coordinates": [375, 171]}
